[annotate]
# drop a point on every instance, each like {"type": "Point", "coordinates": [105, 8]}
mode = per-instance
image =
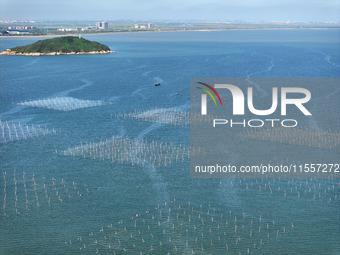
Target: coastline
{"type": "Point", "coordinates": [171, 31]}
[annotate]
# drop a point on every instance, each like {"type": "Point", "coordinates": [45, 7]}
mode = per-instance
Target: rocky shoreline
{"type": "Point", "coordinates": [14, 53]}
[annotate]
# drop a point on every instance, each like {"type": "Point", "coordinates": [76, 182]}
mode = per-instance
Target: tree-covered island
{"type": "Point", "coordinates": [59, 46]}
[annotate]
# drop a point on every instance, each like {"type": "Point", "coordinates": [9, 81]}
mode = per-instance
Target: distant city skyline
{"type": "Point", "coordinates": [251, 10]}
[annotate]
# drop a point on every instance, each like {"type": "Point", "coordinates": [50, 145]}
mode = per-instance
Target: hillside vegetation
{"type": "Point", "coordinates": [62, 44]}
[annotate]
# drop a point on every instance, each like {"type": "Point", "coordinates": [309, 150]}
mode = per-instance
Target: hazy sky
{"type": "Point", "coordinates": [259, 10]}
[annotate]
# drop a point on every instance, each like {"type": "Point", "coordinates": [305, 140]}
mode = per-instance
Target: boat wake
{"type": "Point", "coordinates": [256, 74]}
{"type": "Point", "coordinates": [327, 57]}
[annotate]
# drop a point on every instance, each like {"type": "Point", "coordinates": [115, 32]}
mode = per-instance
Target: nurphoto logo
{"type": "Point", "coordinates": [302, 96]}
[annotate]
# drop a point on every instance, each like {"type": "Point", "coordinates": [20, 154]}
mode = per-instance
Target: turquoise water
{"type": "Point", "coordinates": [92, 194]}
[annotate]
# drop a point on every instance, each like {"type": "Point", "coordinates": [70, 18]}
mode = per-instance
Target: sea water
{"type": "Point", "coordinates": [106, 191]}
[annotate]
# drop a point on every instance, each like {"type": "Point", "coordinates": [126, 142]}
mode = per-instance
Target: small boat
{"type": "Point", "coordinates": [157, 84]}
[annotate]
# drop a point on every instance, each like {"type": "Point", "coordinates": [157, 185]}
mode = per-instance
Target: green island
{"type": "Point", "coordinates": [67, 45]}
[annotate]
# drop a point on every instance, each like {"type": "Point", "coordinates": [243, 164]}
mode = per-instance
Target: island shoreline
{"type": "Point", "coordinates": [68, 45]}
{"type": "Point", "coordinates": [13, 53]}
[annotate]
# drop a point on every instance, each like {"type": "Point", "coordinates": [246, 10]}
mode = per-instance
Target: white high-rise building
{"type": "Point", "coordinates": [102, 25]}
